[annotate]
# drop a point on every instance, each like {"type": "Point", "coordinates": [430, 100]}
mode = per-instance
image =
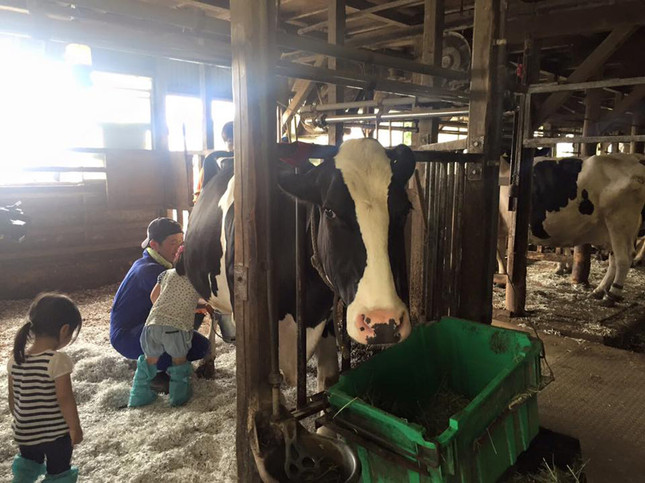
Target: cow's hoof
{"type": "Point", "coordinates": [206, 370]}
{"type": "Point", "coordinates": [608, 302]}
{"type": "Point", "coordinates": [598, 295]}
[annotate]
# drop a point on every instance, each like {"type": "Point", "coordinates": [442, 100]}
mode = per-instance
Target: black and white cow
{"type": "Point", "coordinates": [358, 203]}
{"type": "Point", "coordinates": [597, 201]}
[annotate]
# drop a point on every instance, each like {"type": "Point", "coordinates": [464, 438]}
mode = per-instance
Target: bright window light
{"type": "Point", "coordinates": [184, 111]}
{"type": "Point", "coordinates": [221, 113]}
{"type": "Point", "coordinates": [52, 105]}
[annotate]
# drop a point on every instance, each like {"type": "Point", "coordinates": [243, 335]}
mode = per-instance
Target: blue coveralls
{"type": "Point", "coordinates": [130, 310]}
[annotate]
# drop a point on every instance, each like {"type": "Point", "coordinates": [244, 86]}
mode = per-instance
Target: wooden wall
{"type": "Point", "coordinates": [88, 235]}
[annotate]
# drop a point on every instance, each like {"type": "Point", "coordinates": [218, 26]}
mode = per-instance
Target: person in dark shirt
{"type": "Point", "coordinates": [132, 302]}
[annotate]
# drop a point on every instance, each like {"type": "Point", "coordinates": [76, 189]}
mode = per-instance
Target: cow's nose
{"type": "Point", "coordinates": [383, 326]}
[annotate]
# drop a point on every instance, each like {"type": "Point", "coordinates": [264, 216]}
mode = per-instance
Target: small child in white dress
{"type": "Point", "coordinates": [169, 328]}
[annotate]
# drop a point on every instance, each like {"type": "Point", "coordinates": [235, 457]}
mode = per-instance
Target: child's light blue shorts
{"type": "Point", "coordinates": [157, 339]}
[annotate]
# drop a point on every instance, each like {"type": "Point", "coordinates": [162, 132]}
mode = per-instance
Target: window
{"type": "Point", "coordinates": [56, 110]}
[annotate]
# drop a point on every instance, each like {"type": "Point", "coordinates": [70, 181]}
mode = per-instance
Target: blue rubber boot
{"type": "Point", "coordinates": [26, 471]}
{"type": "Point", "coordinates": [180, 390]}
{"type": "Point", "coordinates": [141, 394]}
{"type": "Point", "coordinates": [69, 476]}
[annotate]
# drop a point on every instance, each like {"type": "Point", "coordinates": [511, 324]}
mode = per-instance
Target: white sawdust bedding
{"type": "Point", "coordinates": [553, 301]}
{"type": "Point", "coordinates": [193, 443]}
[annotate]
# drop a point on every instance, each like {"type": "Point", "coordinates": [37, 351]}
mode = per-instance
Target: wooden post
{"type": "Point", "coordinates": [582, 253]}
{"type": "Point", "coordinates": [481, 193]}
{"type": "Point", "coordinates": [335, 35]}
{"type": "Point", "coordinates": [637, 128]}
{"type": "Point", "coordinates": [518, 232]}
{"type": "Point", "coordinates": [431, 51]}
{"type": "Point", "coordinates": [252, 42]}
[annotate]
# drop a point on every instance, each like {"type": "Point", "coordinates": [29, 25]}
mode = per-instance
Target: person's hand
{"type": "Point", "coordinates": [205, 309]}
{"type": "Point", "coordinates": [77, 435]}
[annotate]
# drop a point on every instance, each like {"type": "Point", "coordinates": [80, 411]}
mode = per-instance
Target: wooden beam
{"type": "Point", "coordinates": [391, 18]}
{"type": "Point", "coordinates": [335, 36]}
{"type": "Point", "coordinates": [362, 13]}
{"type": "Point", "coordinates": [638, 122]}
{"type": "Point", "coordinates": [118, 37]}
{"type": "Point", "coordinates": [302, 88]}
{"type": "Point", "coordinates": [585, 70]}
{"type": "Point", "coordinates": [522, 180]}
{"type": "Point", "coordinates": [188, 19]}
{"type": "Point", "coordinates": [481, 193]}
{"type": "Point", "coordinates": [431, 50]}
{"type": "Point", "coordinates": [457, 145]}
{"type": "Point", "coordinates": [581, 21]}
{"type": "Point", "coordinates": [537, 142]}
{"type": "Point", "coordinates": [626, 103]}
{"type": "Point", "coordinates": [252, 41]}
{"type": "Point", "coordinates": [360, 81]}
{"type": "Point", "coordinates": [367, 56]}
{"type": "Point", "coordinates": [570, 87]}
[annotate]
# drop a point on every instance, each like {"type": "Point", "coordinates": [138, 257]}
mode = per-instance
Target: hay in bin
{"type": "Point", "coordinates": [433, 413]}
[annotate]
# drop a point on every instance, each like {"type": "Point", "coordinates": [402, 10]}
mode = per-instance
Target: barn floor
{"type": "Point", "coordinates": [193, 443]}
{"type": "Point", "coordinates": [597, 397]}
{"type": "Point", "coordinates": [555, 305]}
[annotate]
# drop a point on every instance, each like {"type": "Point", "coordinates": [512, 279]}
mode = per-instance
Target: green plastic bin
{"type": "Point", "coordinates": [497, 369]}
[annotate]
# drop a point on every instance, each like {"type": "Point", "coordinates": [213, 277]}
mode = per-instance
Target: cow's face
{"type": "Point", "coordinates": [362, 206]}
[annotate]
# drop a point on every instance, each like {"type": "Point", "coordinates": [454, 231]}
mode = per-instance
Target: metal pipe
{"type": "Point", "coordinates": [373, 126]}
{"type": "Point", "coordinates": [390, 101]}
{"type": "Point", "coordinates": [409, 115]}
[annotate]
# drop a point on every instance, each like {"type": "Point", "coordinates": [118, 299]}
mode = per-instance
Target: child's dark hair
{"type": "Point", "coordinates": [179, 264]}
{"type": "Point", "coordinates": [48, 313]}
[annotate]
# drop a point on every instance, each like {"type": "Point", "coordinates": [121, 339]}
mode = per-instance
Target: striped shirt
{"type": "Point", "coordinates": [37, 415]}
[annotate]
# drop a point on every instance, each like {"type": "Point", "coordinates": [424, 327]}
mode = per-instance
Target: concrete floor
{"type": "Point", "coordinates": [598, 396]}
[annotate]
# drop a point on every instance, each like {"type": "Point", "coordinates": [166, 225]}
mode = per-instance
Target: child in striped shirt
{"type": "Point", "coordinates": [45, 418]}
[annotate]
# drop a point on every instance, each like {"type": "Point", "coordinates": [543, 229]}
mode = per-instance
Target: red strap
{"type": "Point", "coordinates": [299, 156]}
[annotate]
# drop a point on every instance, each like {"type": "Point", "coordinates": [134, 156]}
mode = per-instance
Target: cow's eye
{"type": "Point", "coordinates": [330, 213]}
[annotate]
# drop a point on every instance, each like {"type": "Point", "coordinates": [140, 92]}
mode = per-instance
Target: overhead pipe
{"type": "Point", "coordinates": [395, 116]}
{"type": "Point", "coordinates": [391, 101]}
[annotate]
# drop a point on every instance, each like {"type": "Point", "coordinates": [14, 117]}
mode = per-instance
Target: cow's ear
{"type": "Point", "coordinates": [402, 162]}
{"type": "Point", "coordinates": [301, 186]}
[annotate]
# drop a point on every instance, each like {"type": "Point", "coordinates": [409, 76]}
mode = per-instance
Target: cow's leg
{"type": "Point", "coordinates": [501, 267]}
{"type": "Point", "coordinates": [206, 368]}
{"type": "Point", "coordinates": [607, 280]}
{"type": "Point", "coordinates": [622, 240]}
{"type": "Point", "coordinates": [327, 355]}
{"type": "Point", "coordinates": [288, 333]}
{"type": "Point", "coordinates": [639, 259]}
{"type": "Point", "coordinates": [623, 261]}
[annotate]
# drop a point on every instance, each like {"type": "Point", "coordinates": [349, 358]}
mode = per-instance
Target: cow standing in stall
{"type": "Point", "coordinates": [598, 201]}
{"type": "Point", "coordinates": [358, 206]}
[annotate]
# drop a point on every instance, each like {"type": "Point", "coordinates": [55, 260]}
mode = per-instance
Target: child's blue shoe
{"type": "Point", "coordinates": [69, 476]}
{"type": "Point", "coordinates": [26, 471]}
{"type": "Point", "coordinates": [141, 394]}
{"type": "Point", "coordinates": [180, 390]}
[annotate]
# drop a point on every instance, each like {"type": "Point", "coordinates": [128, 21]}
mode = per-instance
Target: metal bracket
{"type": "Point", "coordinates": [476, 144]}
{"type": "Point", "coordinates": [474, 171]}
{"type": "Point", "coordinates": [241, 282]}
